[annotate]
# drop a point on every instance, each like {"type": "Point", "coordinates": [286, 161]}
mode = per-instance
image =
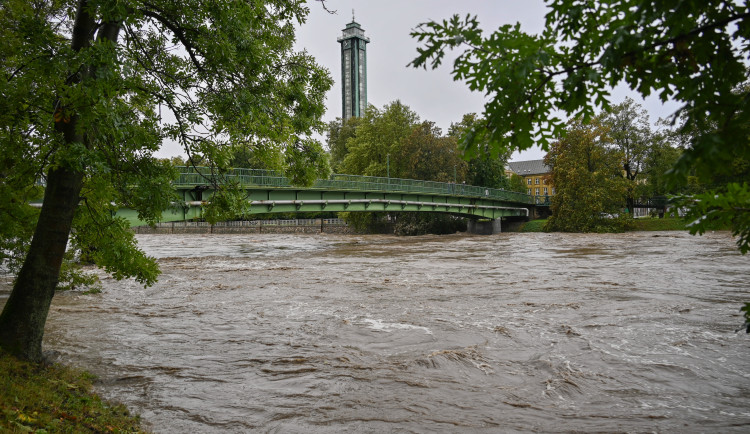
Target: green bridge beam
{"type": "Point", "coordinates": [271, 192]}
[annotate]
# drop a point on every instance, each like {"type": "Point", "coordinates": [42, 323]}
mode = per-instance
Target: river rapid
{"type": "Point", "coordinates": [506, 333]}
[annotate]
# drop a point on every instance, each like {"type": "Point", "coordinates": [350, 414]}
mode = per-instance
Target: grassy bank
{"type": "Point", "coordinates": [52, 399]}
{"type": "Point", "coordinates": [642, 224]}
{"type": "Point", "coordinates": [656, 224]}
{"type": "Point", "coordinates": [533, 226]}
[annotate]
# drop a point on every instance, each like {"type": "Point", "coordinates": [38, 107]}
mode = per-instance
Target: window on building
{"type": "Point", "coordinates": [528, 191]}
{"type": "Point", "coordinates": [544, 181]}
{"type": "Point", "coordinates": [536, 181]}
{"type": "Point", "coordinates": [545, 191]}
{"type": "Point", "coordinates": [537, 192]}
{"type": "Point", "coordinates": [528, 181]}
{"type": "Point", "coordinates": [553, 190]}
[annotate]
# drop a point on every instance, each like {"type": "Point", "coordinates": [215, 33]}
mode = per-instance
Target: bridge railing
{"type": "Point", "coordinates": [205, 176]}
{"type": "Point", "coordinates": [375, 183]}
{"type": "Point", "coordinates": [191, 176]}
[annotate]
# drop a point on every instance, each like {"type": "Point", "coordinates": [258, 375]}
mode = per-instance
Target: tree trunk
{"type": "Point", "coordinates": [25, 313]}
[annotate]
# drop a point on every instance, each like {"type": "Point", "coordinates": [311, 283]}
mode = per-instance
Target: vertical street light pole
{"type": "Point", "coordinates": [388, 165]}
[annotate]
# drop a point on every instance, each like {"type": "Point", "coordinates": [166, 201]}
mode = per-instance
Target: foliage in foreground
{"type": "Point", "coordinates": [43, 399]}
{"type": "Point", "coordinates": [83, 89]}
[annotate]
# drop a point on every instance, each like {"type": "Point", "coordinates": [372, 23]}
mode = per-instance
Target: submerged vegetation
{"type": "Point", "coordinates": [35, 398]}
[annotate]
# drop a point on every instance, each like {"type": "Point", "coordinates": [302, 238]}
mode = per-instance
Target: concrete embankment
{"type": "Point", "coordinates": [290, 226]}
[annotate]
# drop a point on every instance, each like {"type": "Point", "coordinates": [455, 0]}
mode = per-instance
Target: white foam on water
{"type": "Point", "coordinates": [388, 327]}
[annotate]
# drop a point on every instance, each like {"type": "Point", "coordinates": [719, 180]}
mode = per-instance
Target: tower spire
{"type": "Point", "coordinates": [353, 70]}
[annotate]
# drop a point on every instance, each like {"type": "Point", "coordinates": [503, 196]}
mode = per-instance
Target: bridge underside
{"type": "Point", "coordinates": [274, 200]}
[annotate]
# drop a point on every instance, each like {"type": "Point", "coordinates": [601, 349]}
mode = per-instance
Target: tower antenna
{"type": "Point", "coordinates": [353, 15]}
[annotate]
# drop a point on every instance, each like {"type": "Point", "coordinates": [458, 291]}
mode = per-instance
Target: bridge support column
{"type": "Point", "coordinates": [485, 227]}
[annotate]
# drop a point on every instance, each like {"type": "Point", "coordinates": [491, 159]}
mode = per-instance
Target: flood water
{"type": "Point", "coordinates": [506, 333]}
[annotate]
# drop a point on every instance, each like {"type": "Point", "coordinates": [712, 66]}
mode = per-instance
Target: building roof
{"type": "Point", "coordinates": [530, 167]}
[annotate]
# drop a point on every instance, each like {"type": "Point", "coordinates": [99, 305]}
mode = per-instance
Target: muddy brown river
{"type": "Point", "coordinates": [506, 333]}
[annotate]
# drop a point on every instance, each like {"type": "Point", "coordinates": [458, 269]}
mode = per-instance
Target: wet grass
{"type": "Point", "coordinates": [37, 398]}
{"type": "Point", "coordinates": [657, 224]}
{"type": "Point", "coordinates": [533, 226]}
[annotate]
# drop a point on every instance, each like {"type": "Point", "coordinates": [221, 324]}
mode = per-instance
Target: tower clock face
{"type": "Point", "coordinates": [347, 44]}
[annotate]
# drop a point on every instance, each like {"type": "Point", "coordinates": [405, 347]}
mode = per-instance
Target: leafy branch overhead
{"type": "Point", "coordinates": [690, 52]}
{"type": "Point", "coordinates": [92, 88]}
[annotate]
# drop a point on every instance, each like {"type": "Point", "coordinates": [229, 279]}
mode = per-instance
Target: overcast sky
{"type": "Point", "coordinates": [432, 94]}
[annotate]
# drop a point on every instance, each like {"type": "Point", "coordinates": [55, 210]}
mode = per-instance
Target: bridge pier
{"type": "Point", "coordinates": [496, 226]}
{"type": "Point", "coordinates": [490, 227]}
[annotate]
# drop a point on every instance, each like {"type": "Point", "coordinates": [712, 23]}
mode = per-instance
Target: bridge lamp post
{"type": "Point", "coordinates": [388, 165]}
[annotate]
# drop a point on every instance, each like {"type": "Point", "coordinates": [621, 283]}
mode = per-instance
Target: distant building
{"type": "Point", "coordinates": [536, 176]}
{"type": "Point", "coordinates": [353, 70]}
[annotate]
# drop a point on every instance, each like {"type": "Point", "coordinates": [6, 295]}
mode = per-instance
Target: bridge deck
{"type": "Point", "coordinates": [203, 177]}
{"type": "Point", "coordinates": [271, 192]}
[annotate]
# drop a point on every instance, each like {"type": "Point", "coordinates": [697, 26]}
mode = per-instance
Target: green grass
{"type": "Point", "coordinates": [35, 398]}
{"type": "Point", "coordinates": [656, 224]}
{"type": "Point", "coordinates": [533, 226]}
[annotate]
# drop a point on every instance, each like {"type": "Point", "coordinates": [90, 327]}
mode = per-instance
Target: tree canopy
{"type": "Point", "coordinates": [587, 175]}
{"type": "Point", "coordinates": [691, 52]}
{"type": "Point", "coordinates": [394, 141]}
{"type": "Point", "coordinates": [484, 169]}
{"type": "Point", "coordinates": [92, 88]}
{"type": "Point", "coordinates": [629, 132]}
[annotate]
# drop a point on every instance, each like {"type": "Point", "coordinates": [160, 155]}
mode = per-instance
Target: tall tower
{"type": "Point", "coordinates": [353, 70]}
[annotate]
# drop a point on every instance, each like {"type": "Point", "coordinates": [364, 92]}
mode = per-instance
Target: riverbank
{"type": "Point", "coordinates": [40, 399]}
{"type": "Point", "coordinates": [641, 224]}
{"type": "Point", "coordinates": [279, 226]}
{"type": "Point", "coordinates": [339, 226]}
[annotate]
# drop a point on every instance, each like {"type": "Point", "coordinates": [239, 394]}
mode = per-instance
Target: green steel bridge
{"type": "Point", "coordinates": [271, 192]}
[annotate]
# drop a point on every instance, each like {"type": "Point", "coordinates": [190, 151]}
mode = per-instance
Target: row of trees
{"type": "Point", "coordinates": [602, 167]}
{"type": "Point", "coordinates": [394, 142]}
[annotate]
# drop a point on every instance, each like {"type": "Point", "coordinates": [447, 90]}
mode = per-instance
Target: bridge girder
{"type": "Point", "coordinates": [292, 200]}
